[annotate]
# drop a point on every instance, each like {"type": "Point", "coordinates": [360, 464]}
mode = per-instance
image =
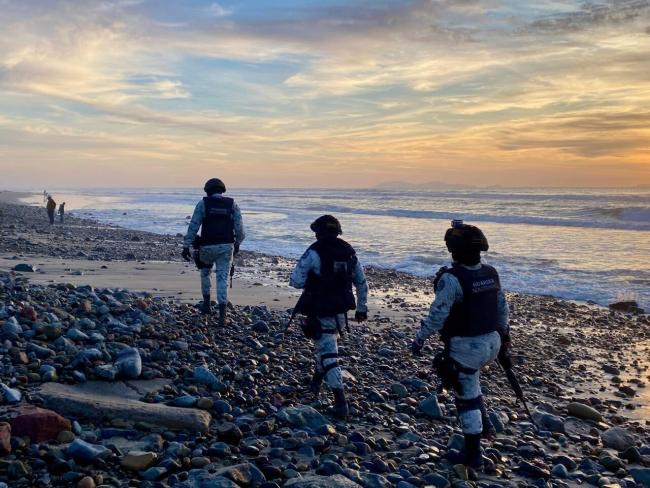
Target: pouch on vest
{"type": "Point", "coordinates": [311, 327]}
{"type": "Point", "coordinates": [196, 244]}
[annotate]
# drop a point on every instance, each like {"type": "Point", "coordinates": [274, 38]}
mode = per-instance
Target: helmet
{"type": "Point", "coordinates": [463, 238]}
{"type": "Point", "coordinates": [326, 224]}
{"type": "Point", "coordinates": [214, 185]}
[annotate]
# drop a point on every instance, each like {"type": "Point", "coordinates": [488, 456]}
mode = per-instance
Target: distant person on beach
{"type": "Point", "coordinates": [327, 271]}
{"type": "Point", "coordinates": [51, 207]}
{"type": "Point", "coordinates": [222, 232]}
{"type": "Point", "coordinates": [471, 314]}
{"type": "Point", "coordinates": [61, 211]}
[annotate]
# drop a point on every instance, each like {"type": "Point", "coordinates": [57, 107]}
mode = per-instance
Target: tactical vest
{"type": "Point", "coordinates": [477, 313]}
{"type": "Point", "coordinates": [332, 290]}
{"type": "Point", "coordinates": [218, 226]}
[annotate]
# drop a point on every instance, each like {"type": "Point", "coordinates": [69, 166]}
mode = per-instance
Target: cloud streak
{"type": "Point", "coordinates": [476, 92]}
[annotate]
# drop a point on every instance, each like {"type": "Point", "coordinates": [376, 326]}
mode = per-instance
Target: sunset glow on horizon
{"type": "Point", "coordinates": [324, 93]}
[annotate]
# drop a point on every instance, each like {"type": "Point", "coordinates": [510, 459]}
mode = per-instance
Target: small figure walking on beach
{"type": "Point", "coordinates": [51, 207]}
{"type": "Point", "coordinates": [61, 211]}
{"type": "Point", "coordinates": [327, 271]}
{"type": "Point", "coordinates": [471, 314]}
{"type": "Point", "coordinates": [222, 232]}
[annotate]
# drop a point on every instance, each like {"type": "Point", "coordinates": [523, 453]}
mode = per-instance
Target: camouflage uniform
{"type": "Point", "coordinates": [219, 255]}
{"type": "Point", "coordinates": [326, 348]}
{"type": "Point", "coordinates": [471, 352]}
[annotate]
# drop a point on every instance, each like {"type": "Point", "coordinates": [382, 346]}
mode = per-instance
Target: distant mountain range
{"type": "Point", "coordinates": [429, 185]}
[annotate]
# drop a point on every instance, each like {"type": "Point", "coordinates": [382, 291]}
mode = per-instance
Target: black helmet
{"type": "Point", "coordinates": [326, 225]}
{"type": "Point", "coordinates": [214, 185]}
{"type": "Point", "coordinates": [465, 238]}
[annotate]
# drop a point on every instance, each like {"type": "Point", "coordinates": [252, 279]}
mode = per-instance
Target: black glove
{"type": "Point", "coordinates": [187, 256]}
{"type": "Point", "coordinates": [416, 347]}
{"type": "Point", "coordinates": [236, 250]}
{"type": "Point", "coordinates": [361, 316]}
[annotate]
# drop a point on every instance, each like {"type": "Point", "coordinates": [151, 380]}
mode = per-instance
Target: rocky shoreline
{"type": "Point", "coordinates": [110, 387]}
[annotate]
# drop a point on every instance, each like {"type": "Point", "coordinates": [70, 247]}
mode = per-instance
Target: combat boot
{"type": "Point", "coordinates": [205, 307]}
{"type": "Point", "coordinates": [340, 409]}
{"type": "Point", "coordinates": [316, 382]}
{"type": "Point", "coordinates": [222, 314]}
{"type": "Point", "coordinates": [473, 455]}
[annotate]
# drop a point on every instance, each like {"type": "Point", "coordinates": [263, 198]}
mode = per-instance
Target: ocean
{"type": "Point", "coordinates": [579, 244]}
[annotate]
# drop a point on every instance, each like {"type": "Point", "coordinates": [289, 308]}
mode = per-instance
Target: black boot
{"type": "Point", "coordinates": [222, 315]}
{"type": "Point", "coordinates": [473, 456]}
{"type": "Point", "coordinates": [205, 307]}
{"type": "Point", "coordinates": [340, 409]}
{"type": "Point", "coordinates": [316, 382]}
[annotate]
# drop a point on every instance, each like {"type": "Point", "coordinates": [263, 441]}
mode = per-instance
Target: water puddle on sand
{"type": "Point", "coordinates": [642, 350]}
{"type": "Point", "coordinates": [634, 366]}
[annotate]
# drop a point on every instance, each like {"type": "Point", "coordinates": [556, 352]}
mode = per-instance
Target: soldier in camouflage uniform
{"type": "Point", "coordinates": [327, 271]}
{"type": "Point", "coordinates": [222, 232]}
{"type": "Point", "coordinates": [471, 314]}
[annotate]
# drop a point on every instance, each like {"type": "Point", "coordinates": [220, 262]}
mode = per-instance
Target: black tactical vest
{"type": "Point", "coordinates": [477, 313]}
{"type": "Point", "coordinates": [332, 290]}
{"type": "Point", "coordinates": [218, 226]}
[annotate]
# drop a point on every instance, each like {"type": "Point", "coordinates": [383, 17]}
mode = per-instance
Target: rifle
{"type": "Point", "coordinates": [505, 361]}
{"type": "Point", "coordinates": [300, 308]}
{"type": "Point", "coordinates": [232, 272]}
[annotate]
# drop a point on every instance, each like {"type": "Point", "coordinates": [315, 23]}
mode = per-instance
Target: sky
{"type": "Point", "coordinates": [332, 93]}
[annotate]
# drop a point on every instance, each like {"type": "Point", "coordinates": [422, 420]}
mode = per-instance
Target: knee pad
{"type": "Point", "coordinates": [469, 414]}
{"type": "Point", "coordinates": [332, 365]}
{"type": "Point", "coordinates": [471, 421]}
{"type": "Point", "coordinates": [463, 405]}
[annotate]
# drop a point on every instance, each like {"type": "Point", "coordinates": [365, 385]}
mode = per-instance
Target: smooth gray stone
{"type": "Point", "coordinates": [430, 407]}
{"type": "Point", "coordinates": [204, 376]}
{"type": "Point", "coordinates": [83, 451]}
{"type": "Point", "coordinates": [10, 395]}
{"type": "Point", "coordinates": [303, 416]}
{"type": "Point", "coordinates": [334, 481]}
{"type": "Point", "coordinates": [129, 363]}
{"type": "Point", "coordinates": [618, 438]}
{"type": "Point", "coordinates": [96, 399]}
{"type": "Point", "coordinates": [11, 329]}
{"type": "Point", "coordinates": [25, 268]}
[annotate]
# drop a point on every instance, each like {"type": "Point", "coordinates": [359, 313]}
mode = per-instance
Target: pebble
{"type": "Point", "coordinates": [138, 460]}
{"type": "Point", "coordinates": [129, 363]}
{"type": "Point", "coordinates": [430, 407]}
{"type": "Point", "coordinates": [86, 482]}
{"type": "Point", "coordinates": [618, 438]}
{"type": "Point", "coordinates": [83, 451]}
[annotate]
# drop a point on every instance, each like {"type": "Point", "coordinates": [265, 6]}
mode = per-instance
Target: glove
{"type": "Point", "coordinates": [416, 346]}
{"type": "Point", "coordinates": [361, 316]}
{"type": "Point", "coordinates": [236, 250]}
{"type": "Point", "coordinates": [186, 254]}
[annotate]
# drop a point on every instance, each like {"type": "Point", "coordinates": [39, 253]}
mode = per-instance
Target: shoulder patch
{"type": "Point", "coordinates": [442, 282]}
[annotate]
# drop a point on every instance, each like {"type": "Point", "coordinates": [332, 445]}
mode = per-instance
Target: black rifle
{"type": "Point", "coordinates": [505, 360]}
{"type": "Point", "coordinates": [232, 272]}
{"type": "Point", "coordinates": [301, 307]}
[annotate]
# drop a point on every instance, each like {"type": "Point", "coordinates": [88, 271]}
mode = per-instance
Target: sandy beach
{"type": "Point", "coordinates": [584, 369]}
